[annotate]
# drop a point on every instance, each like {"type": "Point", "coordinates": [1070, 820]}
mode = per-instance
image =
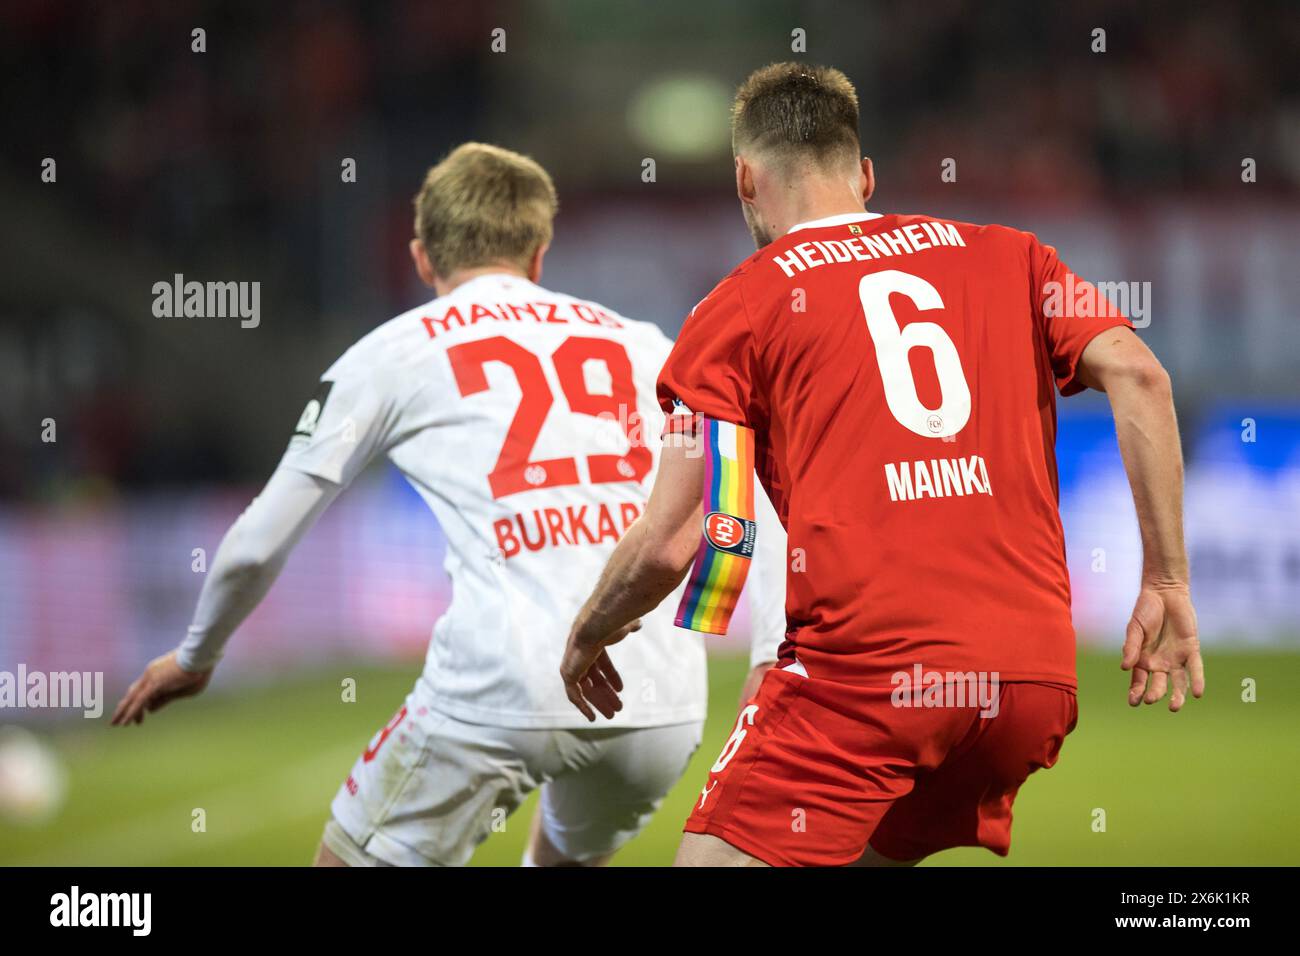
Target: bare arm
{"type": "Point", "coordinates": [1160, 645]}
{"type": "Point", "coordinates": [649, 562]}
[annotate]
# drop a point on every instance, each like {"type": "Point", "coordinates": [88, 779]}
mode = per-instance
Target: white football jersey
{"type": "Point", "coordinates": [527, 420]}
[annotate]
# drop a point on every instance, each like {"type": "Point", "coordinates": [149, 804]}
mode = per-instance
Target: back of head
{"type": "Point", "coordinates": [796, 115]}
{"type": "Point", "coordinates": [483, 205]}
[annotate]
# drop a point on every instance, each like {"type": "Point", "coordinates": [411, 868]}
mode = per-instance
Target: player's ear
{"type": "Point", "coordinates": [422, 264]}
{"type": "Point", "coordinates": [744, 181]}
{"type": "Point", "coordinates": [535, 265]}
{"type": "Point", "coordinates": [867, 181]}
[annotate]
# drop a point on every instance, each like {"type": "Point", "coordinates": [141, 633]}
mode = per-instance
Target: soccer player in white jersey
{"type": "Point", "coordinates": [527, 421]}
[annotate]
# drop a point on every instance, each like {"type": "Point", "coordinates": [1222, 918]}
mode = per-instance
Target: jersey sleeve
{"type": "Point", "coordinates": [1071, 310]}
{"type": "Point", "coordinates": [351, 417]}
{"type": "Point", "coordinates": [248, 560]}
{"type": "Point", "coordinates": [765, 589]}
{"type": "Point", "coordinates": [712, 369]}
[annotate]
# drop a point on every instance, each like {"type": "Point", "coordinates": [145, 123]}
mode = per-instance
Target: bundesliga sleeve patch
{"type": "Point", "coordinates": [307, 422]}
{"type": "Point", "coordinates": [727, 544]}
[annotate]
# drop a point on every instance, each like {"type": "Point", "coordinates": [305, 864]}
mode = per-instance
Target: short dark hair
{"type": "Point", "coordinates": [797, 111]}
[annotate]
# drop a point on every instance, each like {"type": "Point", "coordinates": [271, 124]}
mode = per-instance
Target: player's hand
{"type": "Point", "coordinates": [162, 682]}
{"type": "Point", "coordinates": [1161, 647]}
{"type": "Point", "coordinates": [753, 681]}
{"type": "Point", "coordinates": [589, 676]}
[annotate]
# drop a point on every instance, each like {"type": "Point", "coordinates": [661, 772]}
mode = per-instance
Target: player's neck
{"type": "Point", "coordinates": [459, 277]}
{"type": "Point", "coordinates": [818, 199]}
{"type": "Point", "coordinates": [819, 213]}
{"type": "Point", "coordinates": [814, 207]}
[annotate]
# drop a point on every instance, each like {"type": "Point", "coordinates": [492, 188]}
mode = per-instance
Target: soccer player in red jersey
{"type": "Point", "coordinates": [897, 373]}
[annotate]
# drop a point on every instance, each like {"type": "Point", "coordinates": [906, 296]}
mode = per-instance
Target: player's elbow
{"type": "Point", "coordinates": [661, 566]}
{"type": "Point", "coordinates": [1150, 376]}
{"type": "Point", "coordinates": [243, 558]}
{"type": "Point", "coordinates": [665, 556]}
{"type": "Point", "coordinates": [245, 569]}
{"type": "Point", "coordinates": [1139, 371]}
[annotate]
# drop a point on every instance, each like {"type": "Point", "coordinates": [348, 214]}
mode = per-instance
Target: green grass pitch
{"type": "Point", "coordinates": [1214, 785]}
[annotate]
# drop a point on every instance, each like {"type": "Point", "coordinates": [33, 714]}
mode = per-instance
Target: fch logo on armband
{"type": "Point", "coordinates": [729, 533]}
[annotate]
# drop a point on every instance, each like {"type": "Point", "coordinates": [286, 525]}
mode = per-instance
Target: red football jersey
{"type": "Point", "coordinates": [898, 374]}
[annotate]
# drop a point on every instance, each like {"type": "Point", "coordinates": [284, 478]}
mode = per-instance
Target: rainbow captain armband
{"type": "Point", "coordinates": [722, 563]}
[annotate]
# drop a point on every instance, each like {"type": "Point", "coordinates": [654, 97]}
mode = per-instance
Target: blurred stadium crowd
{"type": "Point", "coordinates": [226, 165]}
{"type": "Point", "coordinates": [227, 162]}
{"type": "Point", "coordinates": [183, 148]}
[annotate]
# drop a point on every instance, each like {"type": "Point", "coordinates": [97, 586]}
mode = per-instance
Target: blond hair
{"type": "Point", "coordinates": [796, 111]}
{"type": "Point", "coordinates": [483, 205]}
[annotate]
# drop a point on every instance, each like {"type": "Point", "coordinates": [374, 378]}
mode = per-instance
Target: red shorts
{"type": "Point", "coordinates": [816, 770]}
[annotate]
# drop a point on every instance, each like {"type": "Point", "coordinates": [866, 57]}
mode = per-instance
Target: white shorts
{"type": "Point", "coordinates": [430, 788]}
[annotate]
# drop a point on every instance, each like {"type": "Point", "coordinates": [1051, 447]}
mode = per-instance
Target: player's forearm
{"type": "Point", "coordinates": [248, 561]}
{"type": "Point", "coordinates": [656, 551]}
{"type": "Point", "coordinates": [639, 575]}
{"type": "Point", "coordinates": [235, 585]}
{"type": "Point", "coordinates": [1147, 428]}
